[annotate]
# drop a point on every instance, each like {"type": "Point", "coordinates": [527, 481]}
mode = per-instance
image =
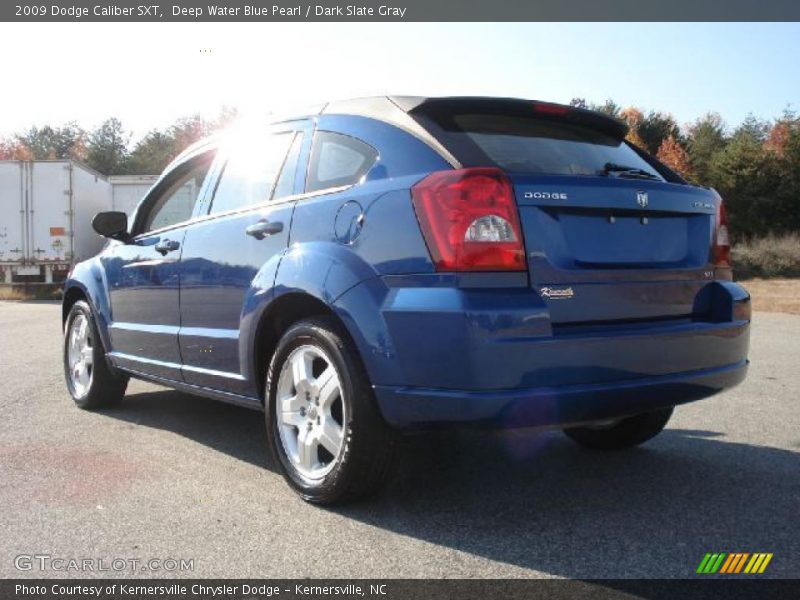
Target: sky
{"type": "Point", "coordinates": [149, 74]}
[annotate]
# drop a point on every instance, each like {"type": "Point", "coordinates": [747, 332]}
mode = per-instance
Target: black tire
{"type": "Point", "coordinates": [364, 462]}
{"type": "Point", "coordinates": [626, 433]}
{"type": "Point", "coordinates": [106, 386]}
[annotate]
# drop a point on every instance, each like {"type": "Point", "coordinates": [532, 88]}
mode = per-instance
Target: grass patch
{"type": "Point", "coordinates": [30, 291]}
{"type": "Point", "coordinates": [10, 292]}
{"type": "Point", "coordinates": [770, 256]}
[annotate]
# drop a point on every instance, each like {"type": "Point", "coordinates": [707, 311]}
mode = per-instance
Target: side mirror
{"type": "Point", "coordinates": [111, 224]}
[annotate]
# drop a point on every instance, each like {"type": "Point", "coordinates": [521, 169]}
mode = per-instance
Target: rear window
{"type": "Point", "coordinates": [532, 145]}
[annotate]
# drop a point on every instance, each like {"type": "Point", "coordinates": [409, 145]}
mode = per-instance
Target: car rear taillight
{"type": "Point", "coordinates": [722, 241]}
{"type": "Point", "coordinates": [469, 220]}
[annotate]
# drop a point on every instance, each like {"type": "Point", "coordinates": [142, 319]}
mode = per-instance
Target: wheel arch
{"type": "Point", "coordinates": [308, 281]}
{"type": "Point", "coordinates": [71, 295]}
{"type": "Point", "coordinates": [87, 282]}
{"type": "Point", "coordinates": [276, 319]}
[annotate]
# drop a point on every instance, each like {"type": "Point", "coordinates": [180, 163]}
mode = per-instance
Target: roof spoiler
{"type": "Point", "coordinates": [432, 107]}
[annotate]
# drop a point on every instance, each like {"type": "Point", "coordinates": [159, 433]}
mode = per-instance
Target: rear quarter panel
{"type": "Point", "coordinates": [375, 219]}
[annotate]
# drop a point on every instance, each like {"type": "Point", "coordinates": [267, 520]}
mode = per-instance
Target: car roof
{"type": "Point", "coordinates": [399, 111]}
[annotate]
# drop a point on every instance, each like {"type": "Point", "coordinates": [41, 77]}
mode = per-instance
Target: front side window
{"type": "Point", "coordinates": [338, 160]}
{"type": "Point", "coordinates": [251, 173]}
{"type": "Point", "coordinates": [285, 185]}
{"type": "Point", "coordinates": [175, 203]}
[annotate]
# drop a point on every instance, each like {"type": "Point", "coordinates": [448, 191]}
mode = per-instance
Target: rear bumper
{"type": "Point", "coordinates": [457, 355]}
{"type": "Point", "coordinates": [563, 405]}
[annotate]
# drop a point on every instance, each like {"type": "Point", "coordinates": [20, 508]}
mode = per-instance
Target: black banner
{"type": "Point", "coordinates": [403, 10]}
{"type": "Point", "coordinates": [398, 589]}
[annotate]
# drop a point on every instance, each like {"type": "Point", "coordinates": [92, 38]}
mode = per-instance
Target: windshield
{"type": "Point", "coordinates": [534, 145]}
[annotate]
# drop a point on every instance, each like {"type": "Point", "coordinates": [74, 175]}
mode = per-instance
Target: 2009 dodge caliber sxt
{"type": "Point", "coordinates": [397, 263]}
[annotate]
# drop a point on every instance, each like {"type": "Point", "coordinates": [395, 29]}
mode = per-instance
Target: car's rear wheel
{"type": "Point", "coordinates": [90, 380]}
{"type": "Point", "coordinates": [623, 433]}
{"type": "Point", "coordinates": [323, 425]}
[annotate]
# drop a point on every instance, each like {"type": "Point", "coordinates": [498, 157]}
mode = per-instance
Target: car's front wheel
{"type": "Point", "coordinates": [623, 433]}
{"type": "Point", "coordinates": [323, 425]}
{"type": "Point", "coordinates": [90, 380]}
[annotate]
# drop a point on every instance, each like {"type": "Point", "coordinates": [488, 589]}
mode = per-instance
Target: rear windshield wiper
{"type": "Point", "coordinates": [625, 171]}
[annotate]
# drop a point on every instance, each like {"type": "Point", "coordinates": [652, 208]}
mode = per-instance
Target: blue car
{"type": "Point", "coordinates": [392, 264]}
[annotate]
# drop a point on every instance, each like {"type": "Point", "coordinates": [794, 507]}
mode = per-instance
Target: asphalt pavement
{"type": "Point", "coordinates": [170, 476]}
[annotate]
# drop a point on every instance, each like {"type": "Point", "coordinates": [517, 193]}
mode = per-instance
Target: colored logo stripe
{"type": "Point", "coordinates": [758, 563]}
{"type": "Point", "coordinates": [703, 563]}
{"type": "Point", "coordinates": [727, 564]}
{"type": "Point", "coordinates": [734, 562]}
{"type": "Point", "coordinates": [711, 563]}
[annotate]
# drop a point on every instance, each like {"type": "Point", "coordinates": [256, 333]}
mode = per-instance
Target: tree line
{"type": "Point", "coordinates": [108, 148]}
{"type": "Point", "coordinates": [755, 166]}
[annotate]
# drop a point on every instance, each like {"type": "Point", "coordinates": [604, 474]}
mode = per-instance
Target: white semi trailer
{"type": "Point", "coordinates": [46, 211]}
{"type": "Point", "coordinates": [128, 190]}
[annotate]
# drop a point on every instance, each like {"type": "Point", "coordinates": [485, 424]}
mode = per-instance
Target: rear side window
{"type": "Point", "coordinates": [251, 173]}
{"type": "Point", "coordinates": [533, 145]}
{"type": "Point", "coordinates": [338, 160]}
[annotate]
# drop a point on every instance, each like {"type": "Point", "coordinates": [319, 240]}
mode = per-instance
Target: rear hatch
{"type": "Point", "coordinates": [611, 235]}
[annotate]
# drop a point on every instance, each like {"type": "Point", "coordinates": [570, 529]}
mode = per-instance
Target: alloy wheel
{"type": "Point", "coordinates": [310, 411]}
{"type": "Point", "coordinates": [80, 355]}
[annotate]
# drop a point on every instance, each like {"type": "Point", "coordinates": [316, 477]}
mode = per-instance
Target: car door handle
{"type": "Point", "coordinates": [165, 246]}
{"type": "Point", "coordinates": [263, 228]}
